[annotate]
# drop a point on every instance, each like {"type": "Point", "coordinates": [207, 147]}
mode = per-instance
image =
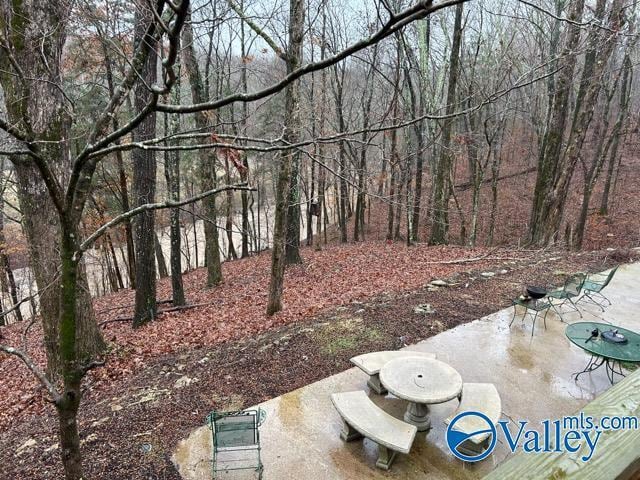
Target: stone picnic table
{"type": "Point", "coordinates": [422, 382]}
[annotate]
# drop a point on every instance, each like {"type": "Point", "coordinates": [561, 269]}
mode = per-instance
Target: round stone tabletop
{"type": "Point", "coordinates": [421, 380]}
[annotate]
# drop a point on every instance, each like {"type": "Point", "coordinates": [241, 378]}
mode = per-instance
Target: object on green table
{"type": "Point", "coordinates": [589, 337]}
{"type": "Point", "coordinates": [578, 333]}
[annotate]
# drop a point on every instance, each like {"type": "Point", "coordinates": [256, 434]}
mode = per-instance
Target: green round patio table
{"type": "Point", "coordinates": [609, 354]}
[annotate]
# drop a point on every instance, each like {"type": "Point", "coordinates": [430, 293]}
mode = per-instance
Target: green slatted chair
{"type": "Point", "coordinates": [571, 289]}
{"type": "Point", "coordinates": [593, 286]}
{"type": "Point", "coordinates": [236, 441]}
{"type": "Point", "coordinates": [537, 306]}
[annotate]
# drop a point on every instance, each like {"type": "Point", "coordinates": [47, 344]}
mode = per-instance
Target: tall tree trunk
{"type": "Point", "coordinates": [314, 133]}
{"type": "Point", "coordinates": [36, 105]}
{"type": "Point", "coordinates": [361, 194]}
{"type": "Point", "coordinates": [320, 147]}
{"type": "Point", "coordinates": [160, 260]}
{"type": "Point", "coordinates": [122, 176]}
{"type": "Point", "coordinates": [128, 230]}
{"type": "Point", "coordinates": [292, 249]}
{"type": "Point", "coordinates": [551, 147]}
{"type": "Point", "coordinates": [623, 109]}
{"type": "Point", "coordinates": [495, 173]}
{"type": "Point", "coordinates": [68, 431]}
{"type": "Point", "coordinates": [172, 176]}
{"type": "Point", "coordinates": [207, 159]}
{"type": "Point", "coordinates": [418, 100]}
{"type": "Point", "coordinates": [294, 60]}
{"type": "Point", "coordinates": [5, 266]}
{"type": "Point", "coordinates": [114, 271]}
{"type": "Point", "coordinates": [341, 161]}
{"type": "Point", "coordinates": [599, 49]}
{"type": "Point", "coordinates": [72, 363]}
{"type": "Point", "coordinates": [244, 174]}
{"type": "Point", "coordinates": [404, 174]}
{"type": "Point", "coordinates": [228, 221]}
{"type": "Point", "coordinates": [394, 157]}
{"type": "Point", "coordinates": [607, 145]}
{"type": "Point", "coordinates": [441, 186]}
{"type": "Point", "coordinates": [144, 181]}
{"type": "Point", "coordinates": [291, 135]}
{"type": "Point", "coordinates": [246, 228]}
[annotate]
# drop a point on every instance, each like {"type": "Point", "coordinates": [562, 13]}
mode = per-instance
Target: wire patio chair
{"type": "Point", "coordinates": [571, 289]}
{"type": "Point", "coordinates": [593, 286]}
{"type": "Point", "coordinates": [236, 441]}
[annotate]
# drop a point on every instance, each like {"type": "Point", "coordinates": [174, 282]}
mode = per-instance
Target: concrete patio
{"type": "Point", "coordinates": [300, 437]}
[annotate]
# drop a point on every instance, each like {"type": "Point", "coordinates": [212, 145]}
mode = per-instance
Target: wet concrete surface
{"type": "Point", "coordinates": [533, 374]}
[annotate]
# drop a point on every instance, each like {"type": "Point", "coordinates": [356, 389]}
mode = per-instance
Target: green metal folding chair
{"type": "Point", "coordinates": [236, 441]}
{"type": "Point", "coordinates": [531, 305]}
{"type": "Point", "coordinates": [593, 286]}
{"type": "Point", "coordinates": [571, 289]}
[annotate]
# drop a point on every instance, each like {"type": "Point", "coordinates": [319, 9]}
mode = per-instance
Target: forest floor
{"type": "Point", "coordinates": [160, 381]}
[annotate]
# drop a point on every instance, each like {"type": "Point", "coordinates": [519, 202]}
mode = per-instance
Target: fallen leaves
{"type": "Point", "coordinates": [337, 275]}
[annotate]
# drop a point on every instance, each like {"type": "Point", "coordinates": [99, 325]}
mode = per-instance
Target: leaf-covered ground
{"type": "Point", "coordinates": [335, 276]}
{"type": "Point", "coordinates": [161, 380]}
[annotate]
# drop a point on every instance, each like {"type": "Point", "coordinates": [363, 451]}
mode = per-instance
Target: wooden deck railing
{"type": "Point", "coordinates": [617, 455]}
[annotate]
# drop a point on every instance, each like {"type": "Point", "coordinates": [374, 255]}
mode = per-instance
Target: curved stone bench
{"type": "Point", "coordinates": [477, 397]}
{"type": "Point", "coordinates": [371, 363]}
{"type": "Point", "coordinates": [362, 417]}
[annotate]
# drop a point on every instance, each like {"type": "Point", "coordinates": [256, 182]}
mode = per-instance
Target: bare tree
{"type": "Point", "coordinates": [208, 160]}
{"type": "Point", "coordinates": [291, 135]}
{"type": "Point", "coordinates": [441, 182]}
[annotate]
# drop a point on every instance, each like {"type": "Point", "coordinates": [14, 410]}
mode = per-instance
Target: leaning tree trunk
{"type": "Point", "coordinates": [162, 263]}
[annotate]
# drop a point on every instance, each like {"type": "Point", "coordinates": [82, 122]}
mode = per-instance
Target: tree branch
{"type": "Point", "coordinates": [153, 206]}
{"type": "Point", "coordinates": [420, 10]}
{"type": "Point", "coordinates": [13, 131]}
{"type": "Point", "coordinates": [42, 378]}
{"type": "Point", "coordinates": [519, 83]}
{"type": "Point", "coordinates": [264, 35]}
